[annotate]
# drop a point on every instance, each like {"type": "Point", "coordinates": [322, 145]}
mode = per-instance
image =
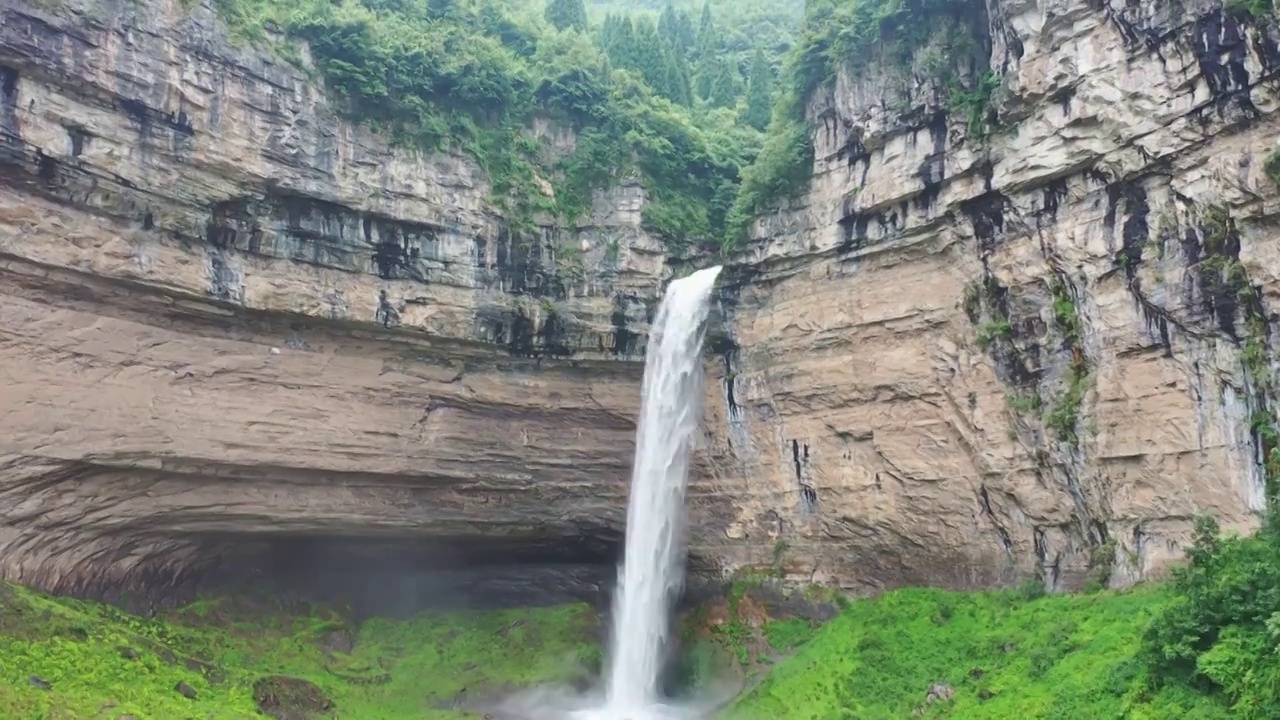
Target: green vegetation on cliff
{"type": "Point", "coordinates": [708, 115]}
{"type": "Point", "coordinates": [476, 75]}
{"type": "Point", "coordinates": [939, 40]}
{"type": "Point", "coordinates": [67, 659]}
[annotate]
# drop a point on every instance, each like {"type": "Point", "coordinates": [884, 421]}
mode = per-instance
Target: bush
{"type": "Point", "coordinates": [1220, 633]}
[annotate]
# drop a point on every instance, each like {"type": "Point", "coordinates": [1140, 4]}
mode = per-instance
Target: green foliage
{"type": "Point", "coordinates": [1024, 403]}
{"type": "Point", "coordinates": [567, 14]}
{"type": "Point", "coordinates": [759, 93]}
{"type": "Point", "coordinates": [998, 329]}
{"type": "Point", "coordinates": [472, 75]}
{"type": "Point", "coordinates": [975, 104]}
{"type": "Point", "coordinates": [97, 657]}
{"type": "Point", "coordinates": [850, 34]}
{"type": "Point", "coordinates": [1272, 167]}
{"type": "Point", "coordinates": [1006, 656]}
{"type": "Point", "coordinates": [1220, 634]}
{"type": "Point", "coordinates": [786, 635]}
{"type": "Point", "coordinates": [1064, 418]}
{"type": "Point", "coordinates": [1256, 9]}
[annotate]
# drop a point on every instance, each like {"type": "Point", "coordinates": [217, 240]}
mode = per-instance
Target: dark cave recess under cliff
{"type": "Point", "coordinates": [393, 575]}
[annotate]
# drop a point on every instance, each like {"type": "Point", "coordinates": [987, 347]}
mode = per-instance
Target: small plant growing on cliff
{"type": "Point", "coordinates": [1024, 403]}
{"type": "Point", "coordinates": [989, 333]}
{"type": "Point", "coordinates": [1065, 415]}
{"type": "Point", "coordinates": [975, 104]}
{"type": "Point", "coordinates": [1255, 9]}
{"type": "Point", "coordinates": [1064, 313]}
{"type": "Point", "coordinates": [1272, 167]}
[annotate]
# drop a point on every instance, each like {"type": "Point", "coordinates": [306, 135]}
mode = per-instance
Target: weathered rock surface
{"type": "Point", "coordinates": [233, 324]}
{"type": "Point", "coordinates": [962, 361]}
{"type": "Point", "coordinates": [238, 332]}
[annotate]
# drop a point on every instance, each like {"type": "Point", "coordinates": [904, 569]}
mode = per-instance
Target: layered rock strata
{"type": "Point", "coordinates": [969, 360]}
{"type": "Point", "coordinates": [238, 332]}
{"type": "Point", "coordinates": [233, 323]}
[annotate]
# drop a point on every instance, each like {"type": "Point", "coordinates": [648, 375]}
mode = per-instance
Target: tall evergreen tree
{"type": "Point", "coordinates": [651, 61]}
{"type": "Point", "coordinates": [759, 92]}
{"type": "Point", "coordinates": [676, 82]}
{"type": "Point", "coordinates": [567, 14]}
{"type": "Point", "coordinates": [684, 35]}
{"type": "Point", "coordinates": [723, 89]}
{"type": "Point", "coordinates": [624, 52]}
{"type": "Point", "coordinates": [706, 31]}
{"type": "Point", "coordinates": [667, 23]}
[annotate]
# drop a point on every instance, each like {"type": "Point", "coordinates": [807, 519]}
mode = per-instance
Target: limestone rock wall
{"type": "Point", "coordinates": [968, 361]}
{"type": "Point", "coordinates": [237, 331]}
{"type": "Point", "coordinates": [228, 317]}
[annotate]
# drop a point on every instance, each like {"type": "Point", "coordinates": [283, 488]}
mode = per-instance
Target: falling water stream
{"type": "Point", "coordinates": [653, 564]}
{"type": "Point", "coordinates": [652, 572]}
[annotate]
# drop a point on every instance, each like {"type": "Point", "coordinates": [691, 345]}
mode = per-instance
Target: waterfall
{"type": "Point", "coordinates": [652, 572]}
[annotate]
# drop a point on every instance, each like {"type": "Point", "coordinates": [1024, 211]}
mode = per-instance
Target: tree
{"type": "Point", "coordinates": [722, 88]}
{"type": "Point", "coordinates": [705, 24]}
{"type": "Point", "coordinates": [567, 14]}
{"type": "Point", "coordinates": [676, 28]}
{"type": "Point", "coordinates": [650, 60]}
{"type": "Point", "coordinates": [759, 92]}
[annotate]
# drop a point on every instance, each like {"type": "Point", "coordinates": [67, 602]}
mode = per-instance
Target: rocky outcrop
{"type": "Point", "coordinates": [234, 325]}
{"type": "Point", "coordinates": [969, 360]}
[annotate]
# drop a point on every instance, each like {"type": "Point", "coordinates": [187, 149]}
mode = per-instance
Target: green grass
{"type": "Point", "coordinates": [1007, 657]}
{"type": "Point", "coordinates": [104, 663]}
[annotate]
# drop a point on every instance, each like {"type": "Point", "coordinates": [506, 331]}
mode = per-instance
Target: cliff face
{"type": "Point", "coordinates": [963, 360]}
{"type": "Point", "coordinates": [243, 335]}
{"type": "Point", "coordinates": [235, 326]}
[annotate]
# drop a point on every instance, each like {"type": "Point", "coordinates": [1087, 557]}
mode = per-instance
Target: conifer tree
{"type": "Point", "coordinates": [706, 31]}
{"type": "Point", "coordinates": [651, 61]}
{"type": "Point", "coordinates": [759, 92]}
{"type": "Point", "coordinates": [677, 87]}
{"type": "Point", "coordinates": [684, 35]}
{"type": "Point", "coordinates": [624, 46]}
{"type": "Point", "coordinates": [723, 86]}
{"type": "Point", "coordinates": [567, 14]}
{"type": "Point", "coordinates": [667, 23]}
{"type": "Point", "coordinates": [705, 24]}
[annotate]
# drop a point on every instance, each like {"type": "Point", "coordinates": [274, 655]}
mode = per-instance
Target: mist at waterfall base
{"type": "Point", "coordinates": [652, 572]}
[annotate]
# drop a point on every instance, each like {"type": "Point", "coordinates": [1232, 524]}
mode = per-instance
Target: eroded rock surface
{"type": "Point", "coordinates": [968, 361]}
{"type": "Point", "coordinates": [232, 322]}
{"type": "Point", "coordinates": [237, 331]}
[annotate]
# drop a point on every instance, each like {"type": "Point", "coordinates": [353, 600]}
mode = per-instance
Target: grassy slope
{"type": "Point", "coordinates": [396, 670]}
{"type": "Point", "coordinates": [1059, 657]}
{"type": "Point", "coordinates": [1007, 657]}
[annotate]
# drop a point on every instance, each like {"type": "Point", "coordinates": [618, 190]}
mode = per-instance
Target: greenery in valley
{"type": "Point", "coordinates": [1204, 646]}
{"type": "Point", "coordinates": [63, 658]}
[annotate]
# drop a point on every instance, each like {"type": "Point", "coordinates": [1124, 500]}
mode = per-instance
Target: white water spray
{"type": "Point", "coordinates": [653, 565]}
{"type": "Point", "coordinates": [652, 572]}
